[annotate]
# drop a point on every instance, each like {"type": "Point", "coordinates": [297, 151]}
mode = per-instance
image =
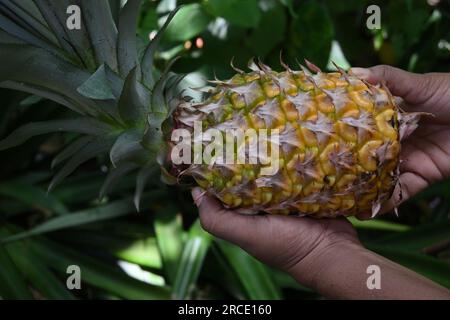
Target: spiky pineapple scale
{"type": "Point", "coordinates": [339, 142]}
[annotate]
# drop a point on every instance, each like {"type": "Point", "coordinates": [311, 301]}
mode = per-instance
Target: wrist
{"type": "Point", "coordinates": [325, 261]}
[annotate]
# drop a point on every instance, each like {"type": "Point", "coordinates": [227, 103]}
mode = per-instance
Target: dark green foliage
{"type": "Point", "coordinates": [42, 234]}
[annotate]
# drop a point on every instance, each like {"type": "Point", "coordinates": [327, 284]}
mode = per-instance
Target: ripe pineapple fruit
{"type": "Point", "coordinates": [339, 135]}
{"type": "Point", "coordinates": [339, 141]}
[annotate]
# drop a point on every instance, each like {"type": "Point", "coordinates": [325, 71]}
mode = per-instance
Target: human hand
{"type": "Point", "coordinates": [425, 154]}
{"type": "Point", "coordinates": [289, 243]}
{"type": "Point", "coordinates": [324, 255]}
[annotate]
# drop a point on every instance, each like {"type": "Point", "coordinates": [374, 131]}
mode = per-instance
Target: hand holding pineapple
{"type": "Point", "coordinates": [326, 254]}
{"type": "Point", "coordinates": [425, 155]}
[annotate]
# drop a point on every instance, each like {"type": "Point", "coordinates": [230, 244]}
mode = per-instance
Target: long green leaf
{"type": "Point", "coordinates": [169, 237]}
{"type": "Point", "coordinates": [379, 225]}
{"type": "Point", "coordinates": [134, 101]}
{"type": "Point", "coordinates": [142, 252]}
{"type": "Point", "coordinates": [45, 93]}
{"type": "Point", "coordinates": [126, 46]}
{"type": "Point", "coordinates": [418, 238]}
{"type": "Point", "coordinates": [102, 31]}
{"type": "Point", "coordinates": [127, 146]}
{"type": "Point", "coordinates": [71, 150]}
{"type": "Point", "coordinates": [254, 276]}
{"type": "Point", "coordinates": [114, 176]}
{"type": "Point", "coordinates": [149, 54]}
{"type": "Point", "coordinates": [35, 271]}
{"type": "Point", "coordinates": [78, 125]}
{"type": "Point", "coordinates": [97, 87]}
{"type": "Point", "coordinates": [97, 273]}
{"type": "Point", "coordinates": [27, 15]}
{"type": "Point", "coordinates": [12, 283]}
{"type": "Point", "coordinates": [33, 196]}
{"type": "Point", "coordinates": [191, 261]}
{"type": "Point", "coordinates": [89, 151]}
{"type": "Point", "coordinates": [35, 66]}
{"type": "Point", "coordinates": [141, 180]}
{"type": "Point", "coordinates": [75, 43]}
{"type": "Point", "coordinates": [432, 268]}
{"type": "Point", "coordinates": [110, 211]}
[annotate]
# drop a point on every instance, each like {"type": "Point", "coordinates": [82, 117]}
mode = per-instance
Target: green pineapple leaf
{"type": "Point", "coordinates": [143, 175]}
{"type": "Point", "coordinates": [89, 151]}
{"type": "Point", "coordinates": [71, 150]}
{"type": "Point", "coordinates": [127, 147]}
{"type": "Point", "coordinates": [149, 53]}
{"type": "Point", "coordinates": [97, 86]}
{"type": "Point", "coordinates": [102, 31]}
{"type": "Point", "coordinates": [114, 176]}
{"type": "Point", "coordinates": [126, 42]}
{"type": "Point", "coordinates": [133, 101]}
{"type": "Point", "coordinates": [78, 125]}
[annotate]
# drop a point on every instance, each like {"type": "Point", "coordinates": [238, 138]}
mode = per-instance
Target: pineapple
{"type": "Point", "coordinates": [339, 136]}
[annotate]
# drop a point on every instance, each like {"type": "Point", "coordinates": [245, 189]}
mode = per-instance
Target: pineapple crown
{"type": "Point", "coordinates": [102, 72]}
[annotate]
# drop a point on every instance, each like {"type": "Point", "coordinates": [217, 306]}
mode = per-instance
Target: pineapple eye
{"type": "Point", "coordinates": [392, 122]}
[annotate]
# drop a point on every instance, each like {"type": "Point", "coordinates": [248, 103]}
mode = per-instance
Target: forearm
{"type": "Point", "coordinates": [340, 272]}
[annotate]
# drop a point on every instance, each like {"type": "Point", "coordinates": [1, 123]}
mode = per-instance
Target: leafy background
{"type": "Point", "coordinates": [162, 252]}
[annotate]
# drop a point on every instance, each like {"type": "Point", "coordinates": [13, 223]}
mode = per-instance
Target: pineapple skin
{"type": "Point", "coordinates": [339, 142]}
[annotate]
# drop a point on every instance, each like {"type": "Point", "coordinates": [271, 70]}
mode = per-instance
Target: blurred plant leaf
{"type": "Point", "coordinates": [148, 23]}
{"type": "Point", "coordinates": [191, 261]}
{"type": "Point", "coordinates": [97, 273]}
{"type": "Point", "coordinates": [143, 252]}
{"type": "Point", "coordinates": [169, 237]}
{"type": "Point", "coordinates": [418, 238]}
{"type": "Point", "coordinates": [269, 33]}
{"type": "Point", "coordinates": [112, 210]}
{"type": "Point", "coordinates": [189, 22]}
{"type": "Point", "coordinates": [13, 284]}
{"type": "Point", "coordinates": [290, 5]}
{"type": "Point", "coordinates": [432, 268]}
{"type": "Point", "coordinates": [378, 224]}
{"type": "Point", "coordinates": [32, 196]}
{"type": "Point", "coordinates": [311, 34]}
{"type": "Point", "coordinates": [254, 276]}
{"type": "Point", "coordinates": [89, 151]}
{"type": "Point", "coordinates": [44, 281]}
{"type": "Point", "coordinates": [78, 125]}
{"type": "Point", "coordinates": [240, 13]}
{"type": "Point", "coordinates": [30, 100]}
{"type": "Point", "coordinates": [406, 32]}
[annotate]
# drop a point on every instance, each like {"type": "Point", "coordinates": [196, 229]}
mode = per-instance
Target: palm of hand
{"type": "Point", "coordinates": [279, 241]}
{"type": "Point", "coordinates": [425, 155]}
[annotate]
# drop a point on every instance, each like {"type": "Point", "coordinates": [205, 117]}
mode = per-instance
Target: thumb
{"type": "Point", "coordinates": [220, 222]}
{"type": "Point", "coordinates": [401, 83]}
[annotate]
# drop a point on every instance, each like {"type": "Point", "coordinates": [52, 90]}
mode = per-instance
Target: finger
{"type": "Point", "coordinates": [364, 216]}
{"type": "Point", "coordinates": [409, 185]}
{"type": "Point", "coordinates": [401, 83]}
{"type": "Point", "coordinates": [219, 221]}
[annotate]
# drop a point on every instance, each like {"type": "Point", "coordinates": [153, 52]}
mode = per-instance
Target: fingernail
{"type": "Point", "coordinates": [360, 72]}
{"type": "Point", "coordinates": [197, 195]}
